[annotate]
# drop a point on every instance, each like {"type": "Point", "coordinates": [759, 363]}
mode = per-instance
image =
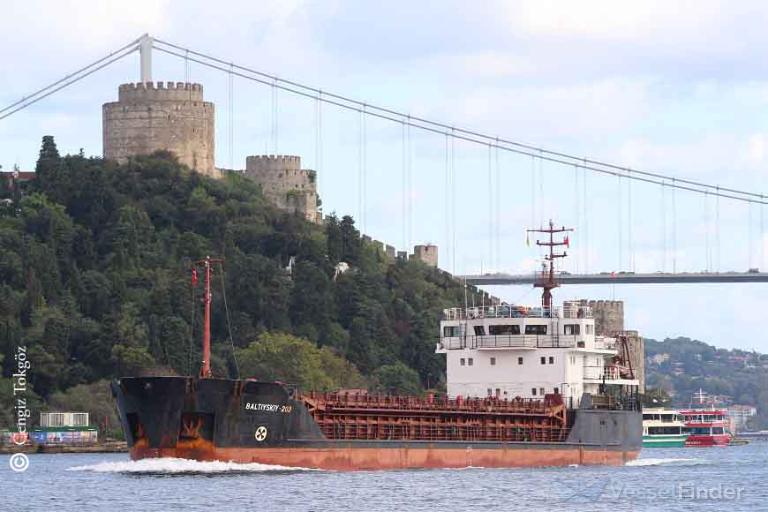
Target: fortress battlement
{"type": "Point", "coordinates": [260, 164]}
{"type": "Point", "coordinates": [160, 91]}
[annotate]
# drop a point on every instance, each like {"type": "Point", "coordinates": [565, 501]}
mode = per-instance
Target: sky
{"type": "Point", "coordinates": [675, 87]}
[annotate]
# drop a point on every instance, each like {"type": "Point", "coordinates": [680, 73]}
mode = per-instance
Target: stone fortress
{"type": "Point", "coordinates": [148, 117]}
{"type": "Point", "coordinates": [173, 116]}
{"type": "Point", "coordinates": [286, 184]}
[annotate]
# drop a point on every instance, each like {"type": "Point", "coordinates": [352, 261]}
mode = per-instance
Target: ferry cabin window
{"type": "Point", "coordinates": [504, 330]}
{"type": "Point", "coordinates": [589, 329]}
{"type": "Point", "coordinates": [571, 329]}
{"type": "Point", "coordinates": [450, 331]}
{"type": "Point", "coordinates": [536, 329]}
{"type": "Point", "coordinates": [717, 430]}
{"type": "Point", "coordinates": [470, 361]}
{"type": "Point", "coordinates": [519, 360]}
{"type": "Point", "coordinates": [533, 391]}
{"type": "Point", "coordinates": [490, 392]}
{"type": "Point", "coordinates": [462, 361]}
{"type": "Point", "coordinates": [557, 391]}
{"type": "Point", "coordinates": [551, 360]}
{"type": "Point", "coordinates": [479, 330]}
{"type": "Point", "coordinates": [493, 361]}
{"type": "Point", "coordinates": [543, 360]}
{"type": "Point", "coordinates": [498, 392]}
{"type": "Point", "coordinates": [541, 391]}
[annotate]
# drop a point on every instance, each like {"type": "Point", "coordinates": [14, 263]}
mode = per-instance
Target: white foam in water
{"type": "Point", "coordinates": [665, 462]}
{"type": "Point", "coordinates": [180, 466]}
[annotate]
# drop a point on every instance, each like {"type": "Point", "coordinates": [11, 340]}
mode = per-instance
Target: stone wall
{"type": "Point", "coordinates": [609, 316]}
{"type": "Point", "coordinates": [637, 356]}
{"type": "Point", "coordinates": [285, 183]}
{"type": "Point", "coordinates": [426, 253]}
{"type": "Point", "coordinates": [155, 116]}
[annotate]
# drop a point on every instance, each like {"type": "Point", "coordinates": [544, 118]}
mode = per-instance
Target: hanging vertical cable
{"type": "Point", "coordinates": [585, 204]}
{"type": "Point", "coordinates": [706, 234]}
{"type": "Point", "coordinates": [620, 224]}
{"type": "Point", "coordinates": [365, 170]}
{"type": "Point", "coordinates": [447, 201]}
{"type": "Point", "coordinates": [186, 67]}
{"type": "Point", "coordinates": [630, 235]}
{"type": "Point", "coordinates": [453, 202]}
{"type": "Point", "coordinates": [717, 230]}
{"type": "Point", "coordinates": [491, 227]}
{"type": "Point", "coordinates": [409, 176]}
{"type": "Point", "coordinates": [275, 111]}
{"type": "Point", "coordinates": [749, 233]}
{"type": "Point", "coordinates": [404, 181]}
{"type": "Point", "coordinates": [533, 192]}
{"type": "Point", "coordinates": [360, 171]}
{"type": "Point", "coordinates": [231, 133]}
{"type": "Point", "coordinates": [318, 140]}
{"type": "Point", "coordinates": [674, 229]}
{"type": "Point", "coordinates": [663, 228]}
{"type": "Point", "coordinates": [542, 198]}
{"type": "Point", "coordinates": [497, 257]}
{"type": "Point", "coordinates": [762, 236]}
{"type": "Point", "coordinates": [577, 209]}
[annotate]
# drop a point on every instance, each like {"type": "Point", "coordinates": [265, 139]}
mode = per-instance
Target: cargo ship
{"type": "Point", "coordinates": [526, 387]}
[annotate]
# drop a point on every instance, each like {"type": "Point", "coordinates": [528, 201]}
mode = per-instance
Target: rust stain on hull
{"type": "Point", "coordinates": [352, 458]}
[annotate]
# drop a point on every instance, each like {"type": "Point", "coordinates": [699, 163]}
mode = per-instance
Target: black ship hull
{"type": "Point", "coordinates": [250, 421]}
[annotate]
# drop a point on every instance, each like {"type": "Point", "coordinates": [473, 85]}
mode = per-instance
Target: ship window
{"type": "Point", "coordinates": [450, 331]}
{"type": "Point", "coordinates": [500, 330]}
{"type": "Point", "coordinates": [589, 328]}
{"type": "Point", "coordinates": [535, 329]}
{"type": "Point", "coordinates": [717, 430]}
{"type": "Point", "coordinates": [543, 360]}
{"type": "Point", "coordinates": [551, 360]}
{"type": "Point", "coordinates": [533, 391]}
{"type": "Point", "coordinates": [557, 391]}
{"type": "Point", "coordinates": [498, 392]}
{"type": "Point", "coordinates": [462, 362]}
{"type": "Point", "coordinates": [541, 391]}
{"type": "Point", "coordinates": [470, 361]}
{"type": "Point", "coordinates": [490, 392]}
{"type": "Point", "coordinates": [479, 330]}
{"type": "Point", "coordinates": [493, 361]}
{"type": "Point", "coordinates": [571, 329]}
{"type": "Point", "coordinates": [519, 360]}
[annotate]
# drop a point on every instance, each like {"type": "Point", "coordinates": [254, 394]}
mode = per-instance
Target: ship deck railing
{"type": "Point", "coordinates": [568, 310]}
{"type": "Point", "coordinates": [364, 431]}
{"type": "Point", "coordinates": [367, 402]}
{"type": "Point", "coordinates": [523, 341]}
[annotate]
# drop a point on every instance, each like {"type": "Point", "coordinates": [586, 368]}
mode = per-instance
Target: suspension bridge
{"type": "Point", "coordinates": [590, 217]}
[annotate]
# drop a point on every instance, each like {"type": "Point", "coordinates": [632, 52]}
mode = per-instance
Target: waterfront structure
{"type": "Point", "coordinates": [64, 428]}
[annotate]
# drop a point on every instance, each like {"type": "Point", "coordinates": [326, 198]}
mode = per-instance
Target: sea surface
{"type": "Point", "coordinates": [723, 479]}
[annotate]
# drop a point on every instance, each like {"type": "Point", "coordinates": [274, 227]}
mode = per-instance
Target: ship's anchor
{"type": "Point", "coordinates": [261, 433]}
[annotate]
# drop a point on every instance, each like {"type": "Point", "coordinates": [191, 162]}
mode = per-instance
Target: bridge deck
{"type": "Point", "coordinates": [623, 278]}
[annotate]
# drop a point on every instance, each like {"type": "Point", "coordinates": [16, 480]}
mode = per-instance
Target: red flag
{"type": "Point", "coordinates": [194, 277]}
{"type": "Point", "coordinates": [567, 241]}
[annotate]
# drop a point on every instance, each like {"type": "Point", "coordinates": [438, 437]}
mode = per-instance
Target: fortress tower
{"type": "Point", "coordinates": [286, 184]}
{"type": "Point", "coordinates": [148, 117]}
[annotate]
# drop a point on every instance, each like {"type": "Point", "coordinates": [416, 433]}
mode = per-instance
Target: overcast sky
{"type": "Point", "coordinates": [675, 87]}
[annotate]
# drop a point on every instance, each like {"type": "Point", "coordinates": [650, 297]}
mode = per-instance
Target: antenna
{"type": "Point", "coordinates": [207, 264]}
{"type": "Point", "coordinates": [547, 279]}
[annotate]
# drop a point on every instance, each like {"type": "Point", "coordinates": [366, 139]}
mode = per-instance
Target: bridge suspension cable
{"type": "Point", "coordinates": [69, 79]}
{"type": "Point", "coordinates": [468, 135]}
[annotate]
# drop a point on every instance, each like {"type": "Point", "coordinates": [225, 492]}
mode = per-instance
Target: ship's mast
{"type": "Point", "coordinates": [207, 264]}
{"type": "Point", "coordinates": [547, 281]}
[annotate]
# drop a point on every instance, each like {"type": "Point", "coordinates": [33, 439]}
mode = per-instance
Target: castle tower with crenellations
{"type": "Point", "coordinates": [286, 184]}
{"type": "Point", "coordinates": [152, 116]}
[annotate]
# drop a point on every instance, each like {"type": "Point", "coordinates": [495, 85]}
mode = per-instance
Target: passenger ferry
{"type": "Point", "coordinates": [663, 428]}
{"type": "Point", "coordinates": [706, 424]}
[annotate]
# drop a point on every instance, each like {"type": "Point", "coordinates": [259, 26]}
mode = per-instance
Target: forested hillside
{"type": "Point", "coordinates": [95, 280]}
{"type": "Point", "coordinates": [681, 366]}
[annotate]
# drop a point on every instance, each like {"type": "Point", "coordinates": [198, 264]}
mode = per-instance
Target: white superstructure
{"type": "Point", "coordinates": [509, 351]}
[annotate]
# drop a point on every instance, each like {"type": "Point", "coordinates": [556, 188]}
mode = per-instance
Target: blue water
{"type": "Point", "coordinates": [724, 479]}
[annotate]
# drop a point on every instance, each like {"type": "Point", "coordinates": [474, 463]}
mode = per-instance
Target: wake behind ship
{"type": "Point", "coordinates": [526, 387]}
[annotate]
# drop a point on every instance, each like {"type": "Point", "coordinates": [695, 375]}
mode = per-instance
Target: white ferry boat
{"type": "Point", "coordinates": [663, 428]}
